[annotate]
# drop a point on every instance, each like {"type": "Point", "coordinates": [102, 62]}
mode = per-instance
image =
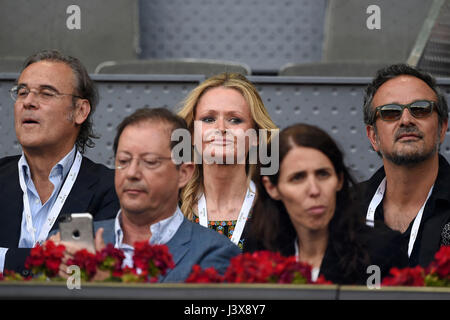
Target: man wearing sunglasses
{"type": "Point", "coordinates": [406, 120]}
{"type": "Point", "coordinates": [54, 102]}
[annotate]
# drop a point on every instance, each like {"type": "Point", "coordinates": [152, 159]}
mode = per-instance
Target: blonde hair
{"type": "Point", "coordinates": [191, 193]}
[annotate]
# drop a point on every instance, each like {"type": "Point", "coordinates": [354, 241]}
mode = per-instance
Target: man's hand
{"type": "Point", "coordinates": [72, 248]}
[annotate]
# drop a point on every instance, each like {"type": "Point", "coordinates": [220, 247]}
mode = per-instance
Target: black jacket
{"type": "Point", "coordinates": [435, 215]}
{"type": "Point", "coordinates": [92, 192]}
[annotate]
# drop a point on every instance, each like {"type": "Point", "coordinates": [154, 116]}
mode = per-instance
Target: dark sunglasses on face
{"type": "Point", "coordinates": [394, 111]}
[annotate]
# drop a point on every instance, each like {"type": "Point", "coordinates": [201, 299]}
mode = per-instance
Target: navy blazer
{"type": "Point", "coordinates": [92, 192]}
{"type": "Point", "coordinates": [192, 244]}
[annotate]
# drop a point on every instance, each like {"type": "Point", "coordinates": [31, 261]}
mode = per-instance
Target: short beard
{"type": "Point", "coordinates": [413, 159]}
{"type": "Point", "coordinates": [409, 160]}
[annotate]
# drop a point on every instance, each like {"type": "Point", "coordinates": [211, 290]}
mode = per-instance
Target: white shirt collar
{"type": "Point", "coordinates": [63, 166]}
{"type": "Point", "coordinates": [162, 231]}
{"type": "Point", "coordinates": [165, 229]}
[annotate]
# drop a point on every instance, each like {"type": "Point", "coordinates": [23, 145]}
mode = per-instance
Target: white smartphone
{"type": "Point", "coordinates": [78, 228]}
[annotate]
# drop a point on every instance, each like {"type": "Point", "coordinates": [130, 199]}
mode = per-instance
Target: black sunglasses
{"type": "Point", "coordinates": [394, 111]}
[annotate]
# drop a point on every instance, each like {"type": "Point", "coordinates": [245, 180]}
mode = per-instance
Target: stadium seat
{"type": "Point", "coordinates": [351, 48]}
{"type": "Point", "coordinates": [333, 69]}
{"type": "Point", "coordinates": [175, 66]}
{"type": "Point", "coordinates": [108, 29]}
{"type": "Point", "coordinates": [11, 64]}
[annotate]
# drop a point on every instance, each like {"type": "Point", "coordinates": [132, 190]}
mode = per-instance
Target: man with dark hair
{"type": "Point", "coordinates": [406, 120]}
{"type": "Point", "coordinates": [148, 182]}
{"type": "Point", "coordinates": [54, 101]}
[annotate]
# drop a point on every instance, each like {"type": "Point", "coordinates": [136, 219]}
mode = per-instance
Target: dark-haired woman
{"type": "Point", "coordinates": [306, 210]}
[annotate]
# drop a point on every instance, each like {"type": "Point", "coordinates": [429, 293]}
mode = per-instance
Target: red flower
{"type": "Point", "coordinates": [441, 263]}
{"type": "Point", "coordinates": [45, 259]}
{"type": "Point", "coordinates": [321, 280]}
{"type": "Point", "coordinates": [294, 272]}
{"type": "Point", "coordinates": [209, 275]}
{"type": "Point", "coordinates": [36, 257]}
{"type": "Point", "coordinates": [258, 267]}
{"type": "Point", "coordinates": [130, 275]}
{"type": "Point", "coordinates": [111, 259]}
{"type": "Point", "coordinates": [152, 260]}
{"type": "Point", "coordinates": [266, 266]}
{"type": "Point", "coordinates": [436, 274]}
{"type": "Point", "coordinates": [87, 262]}
{"type": "Point", "coordinates": [405, 277]}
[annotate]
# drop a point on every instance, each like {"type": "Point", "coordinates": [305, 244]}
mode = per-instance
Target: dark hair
{"type": "Point", "coordinates": [271, 225]}
{"type": "Point", "coordinates": [393, 71]}
{"type": "Point", "coordinates": [84, 87]}
{"type": "Point", "coordinates": [151, 114]}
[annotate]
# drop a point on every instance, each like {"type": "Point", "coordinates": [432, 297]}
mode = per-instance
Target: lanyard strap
{"type": "Point", "coordinates": [416, 224]}
{"type": "Point", "coordinates": [54, 212]}
{"type": "Point", "coordinates": [243, 214]}
{"type": "Point", "coordinates": [376, 200]}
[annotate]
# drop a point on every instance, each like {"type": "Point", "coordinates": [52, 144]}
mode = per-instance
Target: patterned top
{"type": "Point", "coordinates": [225, 227]}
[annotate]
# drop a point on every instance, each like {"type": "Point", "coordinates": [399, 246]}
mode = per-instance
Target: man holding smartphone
{"type": "Point", "coordinates": [147, 183]}
{"type": "Point", "coordinates": [54, 102]}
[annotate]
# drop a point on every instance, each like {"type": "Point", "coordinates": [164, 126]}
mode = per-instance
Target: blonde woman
{"type": "Point", "coordinates": [219, 113]}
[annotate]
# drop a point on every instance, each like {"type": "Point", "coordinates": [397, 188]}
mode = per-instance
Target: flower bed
{"type": "Point", "coordinates": [152, 261]}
